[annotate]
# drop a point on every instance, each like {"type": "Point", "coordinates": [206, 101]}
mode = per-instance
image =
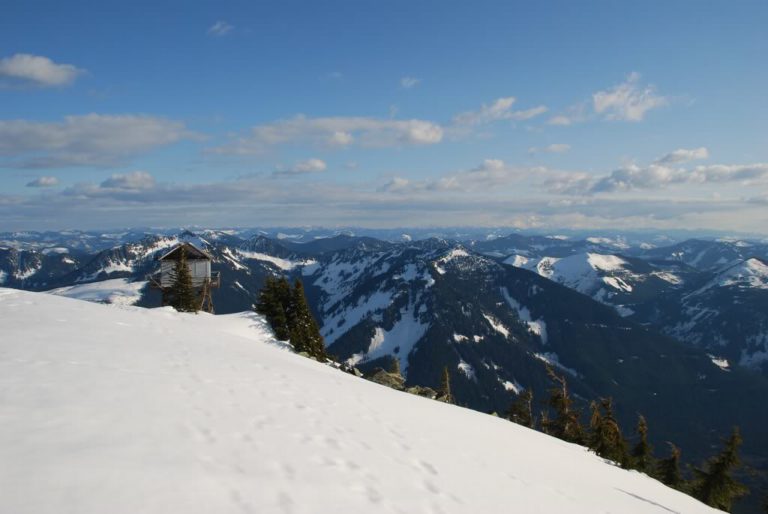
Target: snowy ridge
{"type": "Point", "coordinates": [585, 272]}
{"type": "Point", "coordinates": [538, 327]}
{"type": "Point", "coordinates": [750, 273]}
{"type": "Point", "coordinates": [116, 291]}
{"type": "Point", "coordinates": [154, 411]}
{"type": "Point", "coordinates": [284, 264]}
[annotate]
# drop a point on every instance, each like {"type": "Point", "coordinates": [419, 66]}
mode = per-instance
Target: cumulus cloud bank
{"type": "Point", "coordinates": [628, 101]}
{"type": "Point", "coordinates": [553, 148]}
{"type": "Point", "coordinates": [303, 167]}
{"type": "Point", "coordinates": [500, 109]}
{"type": "Point", "coordinates": [44, 182]}
{"type": "Point", "coordinates": [337, 131]}
{"type": "Point", "coordinates": [684, 155]}
{"type": "Point", "coordinates": [36, 70]}
{"type": "Point", "coordinates": [660, 174]}
{"type": "Point", "coordinates": [136, 180]}
{"type": "Point", "coordinates": [89, 140]}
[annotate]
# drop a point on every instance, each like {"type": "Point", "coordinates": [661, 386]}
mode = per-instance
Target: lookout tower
{"type": "Point", "coordinates": [199, 264]}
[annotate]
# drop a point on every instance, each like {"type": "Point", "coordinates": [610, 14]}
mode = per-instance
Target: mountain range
{"type": "Point", "coordinates": [677, 333]}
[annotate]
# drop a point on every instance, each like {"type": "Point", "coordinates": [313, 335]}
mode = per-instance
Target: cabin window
{"type": "Point", "coordinates": [199, 268]}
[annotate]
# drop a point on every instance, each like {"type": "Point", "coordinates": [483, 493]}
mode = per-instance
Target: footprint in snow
{"type": "Point", "coordinates": [428, 467]}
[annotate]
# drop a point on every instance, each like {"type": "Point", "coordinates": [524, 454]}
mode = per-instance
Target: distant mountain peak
{"type": "Point", "coordinates": [752, 272]}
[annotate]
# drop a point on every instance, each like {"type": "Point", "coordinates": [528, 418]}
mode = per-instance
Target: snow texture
{"type": "Point", "coordinates": [720, 362]}
{"type": "Point", "coordinates": [584, 272]}
{"type": "Point", "coordinates": [124, 410]}
{"type": "Point", "coordinates": [497, 325]}
{"type": "Point", "coordinates": [119, 291]}
{"type": "Point", "coordinates": [538, 327]}
{"type": "Point", "coordinates": [284, 264]}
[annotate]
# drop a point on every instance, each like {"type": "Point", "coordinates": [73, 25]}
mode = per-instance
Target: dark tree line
{"type": "Point", "coordinates": [288, 314]}
{"type": "Point", "coordinates": [712, 483]}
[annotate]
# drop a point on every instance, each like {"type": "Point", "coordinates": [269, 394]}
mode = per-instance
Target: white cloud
{"type": "Point", "coordinates": [553, 148]}
{"type": "Point", "coordinates": [89, 140]}
{"type": "Point", "coordinates": [396, 185]}
{"type": "Point", "coordinates": [335, 131]}
{"type": "Point", "coordinates": [136, 180]}
{"type": "Point", "coordinates": [44, 182]}
{"type": "Point", "coordinates": [574, 114]}
{"type": "Point", "coordinates": [303, 167]}
{"type": "Point", "coordinates": [684, 155]}
{"type": "Point", "coordinates": [628, 101]}
{"type": "Point", "coordinates": [745, 173]}
{"type": "Point", "coordinates": [635, 177]}
{"type": "Point", "coordinates": [136, 199]}
{"type": "Point", "coordinates": [489, 175]}
{"type": "Point", "coordinates": [345, 131]}
{"type": "Point", "coordinates": [409, 82]}
{"type": "Point", "coordinates": [220, 28]}
{"type": "Point", "coordinates": [560, 120]}
{"type": "Point", "coordinates": [500, 109]}
{"type": "Point", "coordinates": [27, 69]}
{"type": "Point", "coordinates": [660, 174]}
{"type": "Point", "coordinates": [657, 176]}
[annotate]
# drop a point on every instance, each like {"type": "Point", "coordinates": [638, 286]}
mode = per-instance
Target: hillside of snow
{"type": "Point", "coordinates": [752, 273]}
{"type": "Point", "coordinates": [117, 290]}
{"type": "Point", "coordinates": [585, 272]}
{"type": "Point", "coordinates": [110, 408]}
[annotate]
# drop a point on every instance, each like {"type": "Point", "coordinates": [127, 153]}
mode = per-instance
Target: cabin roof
{"type": "Point", "coordinates": [193, 253]}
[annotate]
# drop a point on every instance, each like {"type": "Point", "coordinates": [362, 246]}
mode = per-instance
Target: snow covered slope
{"type": "Point", "coordinates": [117, 290]}
{"type": "Point", "coordinates": [586, 273]}
{"type": "Point", "coordinates": [119, 409]}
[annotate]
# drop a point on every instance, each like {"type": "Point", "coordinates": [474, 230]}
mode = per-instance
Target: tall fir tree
{"type": "Point", "coordinates": [642, 453]}
{"type": "Point", "coordinates": [288, 314]}
{"type": "Point", "coordinates": [668, 470]}
{"type": "Point", "coordinates": [714, 485]}
{"type": "Point", "coordinates": [605, 437]}
{"type": "Point", "coordinates": [395, 367]}
{"type": "Point", "coordinates": [183, 297]}
{"type": "Point", "coordinates": [305, 327]}
{"type": "Point", "coordinates": [565, 425]}
{"type": "Point", "coordinates": [284, 295]}
{"type": "Point", "coordinates": [445, 393]}
{"type": "Point", "coordinates": [272, 305]}
{"type": "Point", "coordinates": [544, 422]}
{"type": "Point", "coordinates": [521, 410]}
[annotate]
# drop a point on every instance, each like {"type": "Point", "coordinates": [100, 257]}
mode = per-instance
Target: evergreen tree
{"type": "Point", "coordinates": [272, 305]}
{"type": "Point", "coordinates": [605, 438]}
{"type": "Point", "coordinates": [544, 422]}
{"type": "Point", "coordinates": [595, 421]}
{"type": "Point", "coordinates": [565, 425]}
{"type": "Point", "coordinates": [668, 470]}
{"type": "Point", "coordinates": [395, 368]}
{"type": "Point", "coordinates": [521, 410]}
{"type": "Point", "coordinates": [642, 453]}
{"type": "Point", "coordinates": [304, 328]}
{"type": "Point", "coordinates": [444, 393]}
{"type": "Point", "coordinates": [288, 314]}
{"type": "Point", "coordinates": [714, 485]}
{"type": "Point", "coordinates": [284, 296]}
{"type": "Point", "coordinates": [183, 297]}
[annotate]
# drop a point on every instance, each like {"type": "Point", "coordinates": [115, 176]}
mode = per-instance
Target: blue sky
{"type": "Point", "coordinates": [371, 113]}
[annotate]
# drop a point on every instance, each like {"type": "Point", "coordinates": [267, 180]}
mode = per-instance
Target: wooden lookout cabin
{"type": "Point", "coordinates": [199, 263]}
